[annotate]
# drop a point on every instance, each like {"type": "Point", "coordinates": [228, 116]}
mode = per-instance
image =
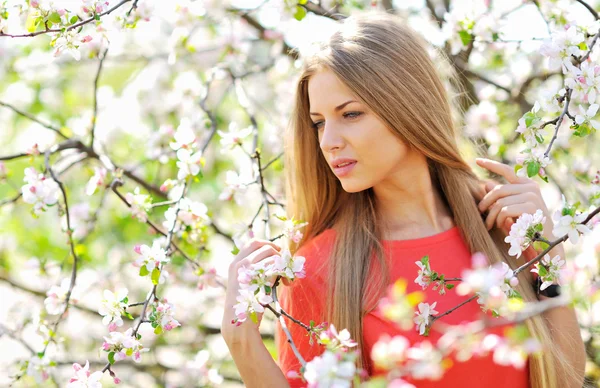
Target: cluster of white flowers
{"type": "Point", "coordinates": [336, 366]}
{"type": "Point", "coordinates": [533, 162]}
{"type": "Point", "coordinates": [96, 181]}
{"type": "Point", "coordinates": [426, 276]}
{"type": "Point", "coordinates": [523, 231]}
{"type": "Point", "coordinates": [112, 306]}
{"type": "Point", "coordinates": [91, 7]}
{"type": "Point", "coordinates": [83, 378]}
{"type": "Point", "coordinates": [291, 229]}
{"type": "Point", "coordinates": [201, 371]}
{"type": "Point", "coordinates": [423, 317]}
{"type": "Point", "coordinates": [562, 45]}
{"type": "Point", "coordinates": [233, 138]}
{"type": "Point", "coordinates": [69, 42]}
{"type": "Point", "coordinates": [140, 204]}
{"type": "Point", "coordinates": [493, 284]}
{"type": "Point", "coordinates": [568, 221]}
{"type": "Point", "coordinates": [399, 307]}
{"type": "Point", "coordinates": [189, 161]}
{"type": "Point", "coordinates": [235, 188]}
{"type": "Point", "coordinates": [191, 218]}
{"type": "Point", "coordinates": [122, 345]}
{"type": "Point", "coordinates": [509, 352]}
{"type": "Point", "coordinates": [150, 261]}
{"type": "Point", "coordinates": [162, 317]}
{"type": "Point", "coordinates": [255, 283]}
{"type": "Point", "coordinates": [530, 127]}
{"type": "Point", "coordinates": [40, 367]}
{"type": "Point", "coordinates": [56, 297]}
{"type": "Point", "coordinates": [206, 277]}
{"type": "Point", "coordinates": [482, 121]}
{"type": "Point", "coordinates": [549, 270]}
{"type": "Point", "coordinates": [39, 191]}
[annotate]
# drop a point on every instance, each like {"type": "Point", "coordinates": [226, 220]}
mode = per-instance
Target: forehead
{"type": "Point", "coordinates": [325, 88]}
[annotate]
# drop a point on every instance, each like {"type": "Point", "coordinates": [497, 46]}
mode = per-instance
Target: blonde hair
{"type": "Point", "coordinates": [387, 65]}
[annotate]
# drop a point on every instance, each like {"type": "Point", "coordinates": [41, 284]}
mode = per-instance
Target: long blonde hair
{"type": "Point", "coordinates": [387, 65]}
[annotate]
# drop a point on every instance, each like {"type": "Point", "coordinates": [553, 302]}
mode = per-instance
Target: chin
{"type": "Point", "coordinates": [351, 186]}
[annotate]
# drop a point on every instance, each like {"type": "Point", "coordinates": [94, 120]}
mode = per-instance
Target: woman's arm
{"type": "Point", "coordinates": [256, 366]}
{"type": "Point", "coordinates": [254, 362]}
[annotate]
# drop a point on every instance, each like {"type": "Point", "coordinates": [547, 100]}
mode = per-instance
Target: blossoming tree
{"type": "Point", "coordinates": [141, 150]}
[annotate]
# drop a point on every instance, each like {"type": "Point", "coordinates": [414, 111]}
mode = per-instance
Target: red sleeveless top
{"type": "Point", "coordinates": [448, 254]}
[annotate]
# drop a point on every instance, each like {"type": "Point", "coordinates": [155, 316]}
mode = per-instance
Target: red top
{"type": "Point", "coordinates": [448, 254]}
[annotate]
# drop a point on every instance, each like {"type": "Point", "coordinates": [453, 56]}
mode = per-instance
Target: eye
{"type": "Point", "coordinates": [352, 115]}
{"type": "Point", "coordinates": [347, 115]}
{"type": "Point", "coordinates": [317, 125]}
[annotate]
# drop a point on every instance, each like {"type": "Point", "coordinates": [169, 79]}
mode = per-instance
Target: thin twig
{"type": "Point", "coordinates": [95, 111]}
{"type": "Point", "coordinates": [74, 26]}
{"type": "Point", "coordinates": [34, 119]}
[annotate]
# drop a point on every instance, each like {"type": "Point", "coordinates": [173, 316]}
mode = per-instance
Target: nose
{"type": "Point", "coordinates": [330, 138]}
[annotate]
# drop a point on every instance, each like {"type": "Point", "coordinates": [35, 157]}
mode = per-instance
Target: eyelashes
{"type": "Point", "coordinates": [347, 115]}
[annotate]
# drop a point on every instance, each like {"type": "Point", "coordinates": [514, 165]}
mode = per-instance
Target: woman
{"type": "Point", "coordinates": [374, 168]}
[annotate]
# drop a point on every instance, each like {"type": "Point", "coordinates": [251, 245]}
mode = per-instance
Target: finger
{"type": "Point", "coordinates": [262, 253]}
{"type": "Point", "coordinates": [501, 191]}
{"type": "Point", "coordinates": [501, 169]}
{"type": "Point", "coordinates": [485, 185]}
{"type": "Point", "coordinates": [490, 184]}
{"type": "Point", "coordinates": [497, 207]}
{"type": "Point", "coordinates": [514, 211]}
{"type": "Point", "coordinates": [252, 246]}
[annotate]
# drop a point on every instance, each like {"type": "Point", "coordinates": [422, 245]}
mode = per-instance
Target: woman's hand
{"type": "Point", "coordinates": [252, 252]}
{"type": "Point", "coordinates": [506, 202]}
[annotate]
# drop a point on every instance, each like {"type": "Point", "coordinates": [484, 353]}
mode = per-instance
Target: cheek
{"type": "Point", "coordinates": [383, 151]}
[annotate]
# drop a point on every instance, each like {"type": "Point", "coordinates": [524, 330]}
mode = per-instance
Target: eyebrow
{"type": "Point", "coordinates": [336, 108]}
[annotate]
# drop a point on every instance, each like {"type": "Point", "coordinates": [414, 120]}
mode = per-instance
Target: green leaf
{"type": "Point", "coordinates": [542, 271]}
{"type": "Point", "coordinates": [32, 22]}
{"type": "Point", "coordinates": [300, 13]}
{"type": "Point", "coordinates": [529, 117]}
{"type": "Point", "coordinates": [254, 317]}
{"type": "Point", "coordinates": [74, 20]}
{"type": "Point", "coordinates": [267, 289]}
{"type": "Point", "coordinates": [125, 300]}
{"type": "Point", "coordinates": [143, 271]}
{"type": "Point", "coordinates": [128, 315]}
{"type": "Point", "coordinates": [449, 286]}
{"type": "Point", "coordinates": [235, 250]}
{"type": "Point", "coordinates": [155, 276]}
{"type": "Point", "coordinates": [54, 18]}
{"type": "Point", "coordinates": [533, 169]}
{"type": "Point", "coordinates": [518, 167]}
{"type": "Point", "coordinates": [158, 330]}
{"type": "Point", "coordinates": [465, 37]}
{"type": "Point", "coordinates": [111, 357]}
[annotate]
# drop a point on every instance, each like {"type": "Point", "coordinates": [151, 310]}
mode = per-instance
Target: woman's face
{"type": "Point", "coordinates": [348, 130]}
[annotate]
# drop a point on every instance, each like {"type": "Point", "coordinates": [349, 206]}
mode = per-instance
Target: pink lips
{"type": "Point", "coordinates": [343, 170]}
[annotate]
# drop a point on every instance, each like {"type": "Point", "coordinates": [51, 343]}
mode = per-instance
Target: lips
{"type": "Point", "coordinates": [341, 162]}
{"type": "Point", "coordinates": [342, 167]}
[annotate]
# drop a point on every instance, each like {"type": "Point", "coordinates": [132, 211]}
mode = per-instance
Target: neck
{"type": "Point", "coordinates": [410, 205]}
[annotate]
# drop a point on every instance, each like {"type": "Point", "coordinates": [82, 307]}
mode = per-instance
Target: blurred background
{"type": "Point", "coordinates": [149, 71]}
